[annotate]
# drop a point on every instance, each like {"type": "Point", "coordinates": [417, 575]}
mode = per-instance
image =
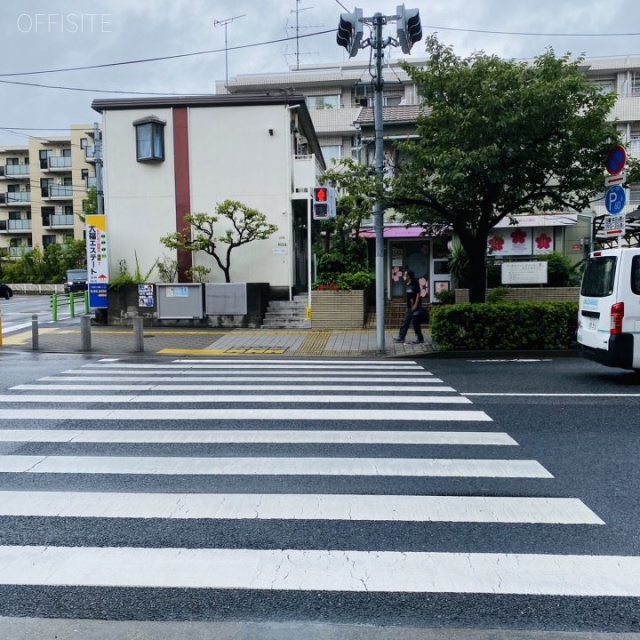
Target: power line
{"type": "Point", "coordinates": [53, 86]}
{"type": "Point", "coordinates": [160, 58]}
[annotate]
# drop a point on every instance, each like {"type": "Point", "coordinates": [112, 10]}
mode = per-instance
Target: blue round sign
{"type": "Point", "coordinates": [615, 199]}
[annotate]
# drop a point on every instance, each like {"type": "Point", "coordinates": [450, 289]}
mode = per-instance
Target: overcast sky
{"type": "Point", "coordinates": [42, 35]}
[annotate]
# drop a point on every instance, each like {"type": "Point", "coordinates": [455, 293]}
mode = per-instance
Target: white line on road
{"type": "Point", "coordinates": [401, 364]}
{"type": "Point", "coordinates": [220, 506]}
{"type": "Point", "coordinates": [409, 368]}
{"type": "Point", "coordinates": [253, 436]}
{"type": "Point", "coordinates": [230, 399]}
{"type": "Point", "coordinates": [258, 374]}
{"type": "Point", "coordinates": [203, 376]}
{"type": "Point", "coordinates": [356, 415]}
{"type": "Point", "coordinates": [322, 570]}
{"type": "Point", "coordinates": [219, 387]}
{"type": "Point", "coordinates": [396, 467]}
{"type": "Point", "coordinates": [556, 395]}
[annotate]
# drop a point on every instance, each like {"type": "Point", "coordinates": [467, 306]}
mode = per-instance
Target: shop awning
{"type": "Point", "coordinates": [396, 232]}
{"type": "Point", "coordinates": [553, 220]}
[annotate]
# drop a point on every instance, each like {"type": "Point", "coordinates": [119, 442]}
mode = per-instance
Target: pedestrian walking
{"type": "Point", "coordinates": [414, 314]}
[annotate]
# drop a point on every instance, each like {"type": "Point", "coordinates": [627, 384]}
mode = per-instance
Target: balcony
{"type": "Point", "coordinates": [18, 252]}
{"type": "Point", "coordinates": [58, 163]}
{"type": "Point", "coordinates": [90, 153]}
{"type": "Point", "coordinates": [15, 226]}
{"type": "Point", "coordinates": [58, 192]}
{"type": "Point", "coordinates": [61, 220]}
{"type": "Point", "coordinates": [15, 171]}
{"type": "Point", "coordinates": [15, 198]}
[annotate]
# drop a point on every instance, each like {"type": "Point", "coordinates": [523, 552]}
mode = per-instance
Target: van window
{"type": "Point", "coordinates": [635, 275]}
{"type": "Point", "coordinates": [599, 277]}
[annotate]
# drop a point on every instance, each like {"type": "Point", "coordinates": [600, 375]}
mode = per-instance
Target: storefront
{"type": "Point", "coordinates": [409, 248]}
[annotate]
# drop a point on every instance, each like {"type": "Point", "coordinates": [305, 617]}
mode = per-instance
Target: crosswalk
{"type": "Point", "coordinates": [308, 444]}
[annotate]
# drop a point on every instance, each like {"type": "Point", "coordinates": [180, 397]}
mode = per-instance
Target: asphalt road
{"type": "Point", "coordinates": [565, 428]}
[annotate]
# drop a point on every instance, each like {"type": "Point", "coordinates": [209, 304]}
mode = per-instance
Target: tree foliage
{"type": "Point", "coordinates": [499, 138]}
{"type": "Point", "coordinates": [46, 266]}
{"type": "Point", "coordinates": [244, 225]}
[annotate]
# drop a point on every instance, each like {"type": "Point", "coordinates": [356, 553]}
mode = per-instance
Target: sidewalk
{"type": "Point", "coordinates": [162, 341]}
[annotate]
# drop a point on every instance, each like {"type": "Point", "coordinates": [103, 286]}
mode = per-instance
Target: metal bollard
{"type": "Point", "coordinates": [35, 342]}
{"type": "Point", "coordinates": [138, 334]}
{"type": "Point", "coordinates": [85, 333]}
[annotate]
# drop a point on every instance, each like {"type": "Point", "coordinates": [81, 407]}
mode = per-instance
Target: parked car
{"type": "Point", "coordinates": [76, 280]}
{"type": "Point", "coordinates": [5, 291]}
{"type": "Point", "coordinates": [609, 314]}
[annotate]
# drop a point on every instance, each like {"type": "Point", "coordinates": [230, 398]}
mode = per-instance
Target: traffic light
{"type": "Point", "coordinates": [324, 203]}
{"type": "Point", "coordinates": [409, 28]}
{"type": "Point", "coordinates": [350, 31]}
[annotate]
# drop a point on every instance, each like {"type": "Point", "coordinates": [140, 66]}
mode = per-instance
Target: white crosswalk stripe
{"type": "Point", "coordinates": [356, 424]}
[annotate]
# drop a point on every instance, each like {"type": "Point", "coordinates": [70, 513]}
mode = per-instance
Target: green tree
{"type": "Point", "coordinates": [499, 138]}
{"type": "Point", "coordinates": [246, 225]}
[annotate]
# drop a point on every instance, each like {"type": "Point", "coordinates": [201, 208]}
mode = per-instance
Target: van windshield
{"type": "Point", "coordinates": [599, 276]}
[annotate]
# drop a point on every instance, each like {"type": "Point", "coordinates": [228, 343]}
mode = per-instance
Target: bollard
{"type": "Point", "coordinates": [138, 334]}
{"type": "Point", "coordinates": [72, 305]}
{"type": "Point", "coordinates": [54, 307]}
{"type": "Point", "coordinates": [35, 344]}
{"type": "Point", "coordinates": [85, 333]}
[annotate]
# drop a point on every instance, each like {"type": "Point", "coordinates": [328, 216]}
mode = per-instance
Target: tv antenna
{"type": "Point", "coordinates": [224, 23]}
{"type": "Point", "coordinates": [297, 11]}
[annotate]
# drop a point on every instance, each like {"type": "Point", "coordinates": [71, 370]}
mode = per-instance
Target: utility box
{"type": "Point", "coordinates": [180, 301]}
{"type": "Point", "coordinates": [226, 299]}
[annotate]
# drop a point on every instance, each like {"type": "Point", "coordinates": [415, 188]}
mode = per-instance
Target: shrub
{"type": "Point", "coordinates": [523, 325]}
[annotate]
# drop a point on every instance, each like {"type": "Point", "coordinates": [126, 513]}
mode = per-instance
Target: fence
{"type": "Point", "coordinates": [69, 301]}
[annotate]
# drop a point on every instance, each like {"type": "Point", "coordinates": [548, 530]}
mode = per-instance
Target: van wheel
{"type": "Point", "coordinates": [7, 295]}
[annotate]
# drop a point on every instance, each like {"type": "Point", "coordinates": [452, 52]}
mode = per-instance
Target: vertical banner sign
{"type": "Point", "coordinates": [97, 261]}
{"type": "Point", "coordinates": [615, 196]}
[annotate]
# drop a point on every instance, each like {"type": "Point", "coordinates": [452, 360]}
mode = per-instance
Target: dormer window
{"type": "Point", "coordinates": [149, 139]}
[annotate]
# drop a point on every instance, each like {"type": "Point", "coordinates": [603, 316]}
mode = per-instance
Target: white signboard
{"type": "Point", "coordinates": [524, 272]}
{"type": "Point", "coordinates": [613, 226]}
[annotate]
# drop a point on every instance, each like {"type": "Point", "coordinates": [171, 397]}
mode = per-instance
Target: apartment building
{"type": "Point", "coordinates": [42, 187]}
{"type": "Point", "coordinates": [339, 98]}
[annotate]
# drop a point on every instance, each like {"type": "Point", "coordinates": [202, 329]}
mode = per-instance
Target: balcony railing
{"type": "Point", "coordinates": [18, 225]}
{"type": "Point", "coordinates": [16, 170]}
{"type": "Point", "coordinates": [61, 220]}
{"type": "Point", "coordinates": [59, 162]}
{"type": "Point", "coordinates": [64, 191]}
{"type": "Point", "coordinates": [18, 252]}
{"type": "Point", "coordinates": [15, 197]}
{"type": "Point", "coordinates": [92, 181]}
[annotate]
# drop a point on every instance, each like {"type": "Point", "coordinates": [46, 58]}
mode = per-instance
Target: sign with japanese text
{"type": "Point", "coordinates": [97, 261]}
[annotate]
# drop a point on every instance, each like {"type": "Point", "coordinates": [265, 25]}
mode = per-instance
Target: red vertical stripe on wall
{"type": "Point", "coordinates": [183, 191]}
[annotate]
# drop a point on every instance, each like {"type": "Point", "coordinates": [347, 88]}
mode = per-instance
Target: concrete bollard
{"type": "Point", "coordinates": [85, 333]}
{"type": "Point", "coordinates": [35, 338]}
{"type": "Point", "coordinates": [138, 334]}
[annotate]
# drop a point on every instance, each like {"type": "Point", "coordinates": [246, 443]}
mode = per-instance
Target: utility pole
{"type": "Point", "coordinates": [349, 36]}
{"type": "Point", "coordinates": [97, 154]}
{"type": "Point", "coordinates": [224, 23]}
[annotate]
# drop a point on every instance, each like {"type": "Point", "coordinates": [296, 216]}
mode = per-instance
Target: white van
{"type": "Point", "coordinates": [609, 313]}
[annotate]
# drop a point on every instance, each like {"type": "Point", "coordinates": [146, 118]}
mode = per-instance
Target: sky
{"type": "Point", "coordinates": [261, 36]}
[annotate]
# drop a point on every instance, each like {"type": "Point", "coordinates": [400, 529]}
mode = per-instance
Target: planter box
{"type": "Point", "coordinates": [337, 309]}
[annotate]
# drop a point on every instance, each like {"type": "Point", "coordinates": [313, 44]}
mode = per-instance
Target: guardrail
{"type": "Point", "coordinates": [69, 300]}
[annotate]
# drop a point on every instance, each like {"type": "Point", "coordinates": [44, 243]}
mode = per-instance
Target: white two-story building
{"type": "Point", "coordinates": [167, 157]}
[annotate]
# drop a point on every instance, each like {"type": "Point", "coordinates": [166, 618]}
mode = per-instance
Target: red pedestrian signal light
{"type": "Point", "coordinates": [320, 194]}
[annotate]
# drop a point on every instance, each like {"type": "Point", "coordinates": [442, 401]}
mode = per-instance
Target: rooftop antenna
{"type": "Point", "coordinates": [297, 11]}
{"type": "Point", "coordinates": [224, 23]}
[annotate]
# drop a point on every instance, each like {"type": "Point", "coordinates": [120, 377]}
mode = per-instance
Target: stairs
{"type": "Point", "coordinates": [287, 314]}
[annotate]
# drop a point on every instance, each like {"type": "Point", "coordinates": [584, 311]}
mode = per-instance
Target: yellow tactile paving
{"type": "Point", "coordinates": [315, 342]}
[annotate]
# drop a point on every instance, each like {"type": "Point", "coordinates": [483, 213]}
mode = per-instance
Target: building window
{"type": "Point", "coordinates": [634, 194]}
{"type": "Point", "coordinates": [324, 102]}
{"type": "Point", "coordinates": [331, 152]}
{"type": "Point", "coordinates": [47, 240]}
{"type": "Point", "coordinates": [84, 174]}
{"type": "Point", "coordinates": [83, 143]}
{"type": "Point", "coordinates": [149, 139]}
{"type": "Point", "coordinates": [605, 85]}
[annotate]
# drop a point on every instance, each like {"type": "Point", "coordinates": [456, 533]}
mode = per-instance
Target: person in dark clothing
{"type": "Point", "coordinates": [414, 314]}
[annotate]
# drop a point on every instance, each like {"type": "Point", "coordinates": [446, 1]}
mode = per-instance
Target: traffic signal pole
{"type": "Point", "coordinates": [349, 36]}
{"type": "Point", "coordinates": [378, 212]}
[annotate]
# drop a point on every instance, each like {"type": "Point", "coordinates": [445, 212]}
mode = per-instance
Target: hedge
{"type": "Point", "coordinates": [522, 325]}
